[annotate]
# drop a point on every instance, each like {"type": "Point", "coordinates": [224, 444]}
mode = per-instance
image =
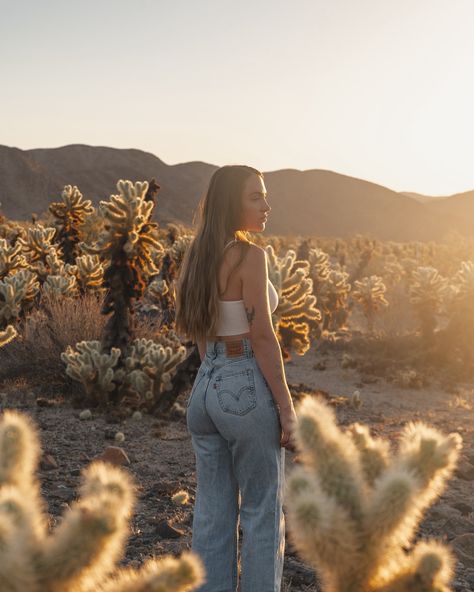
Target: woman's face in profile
{"type": "Point", "coordinates": [255, 206]}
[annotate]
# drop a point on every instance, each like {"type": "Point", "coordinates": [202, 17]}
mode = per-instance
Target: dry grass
{"type": "Point", "coordinates": [46, 333]}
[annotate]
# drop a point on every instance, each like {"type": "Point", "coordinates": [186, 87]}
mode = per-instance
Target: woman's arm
{"type": "Point", "coordinates": [262, 335]}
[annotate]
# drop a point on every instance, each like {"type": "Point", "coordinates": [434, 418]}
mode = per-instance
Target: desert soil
{"type": "Point", "coordinates": [162, 459]}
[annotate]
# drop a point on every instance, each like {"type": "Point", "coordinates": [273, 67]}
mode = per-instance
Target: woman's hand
{"type": "Point", "coordinates": [287, 423]}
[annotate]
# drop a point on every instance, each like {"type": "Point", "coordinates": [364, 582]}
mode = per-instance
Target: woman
{"type": "Point", "coordinates": [239, 412]}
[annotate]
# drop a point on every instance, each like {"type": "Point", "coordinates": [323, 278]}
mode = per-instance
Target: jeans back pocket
{"type": "Point", "coordinates": [236, 391]}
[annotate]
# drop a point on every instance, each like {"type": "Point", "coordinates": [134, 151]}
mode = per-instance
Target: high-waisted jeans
{"type": "Point", "coordinates": [235, 433]}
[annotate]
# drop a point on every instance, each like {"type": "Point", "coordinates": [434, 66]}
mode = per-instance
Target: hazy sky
{"type": "Point", "coordinates": [377, 89]}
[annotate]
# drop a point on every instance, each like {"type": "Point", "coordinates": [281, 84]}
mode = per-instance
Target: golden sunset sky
{"type": "Point", "coordinates": [376, 89]}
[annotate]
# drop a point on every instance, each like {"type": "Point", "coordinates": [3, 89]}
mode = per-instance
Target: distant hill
{"type": "Point", "coordinates": [303, 202]}
{"type": "Point", "coordinates": [422, 198]}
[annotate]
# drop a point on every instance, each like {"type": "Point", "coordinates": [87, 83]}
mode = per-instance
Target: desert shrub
{"type": "Point", "coordinates": [56, 324]}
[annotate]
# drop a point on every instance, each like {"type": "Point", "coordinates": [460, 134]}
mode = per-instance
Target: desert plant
{"type": "Point", "coordinates": [297, 304]}
{"type": "Point", "coordinates": [80, 554]}
{"type": "Point", "coordinates": [369, 293]}
{"type": "Point", "coordinates": [333, 295]}
{"type": "Point", "coordinates": [128, 247]}
{"type": "Point", "coordinates": [17, 293]}
{"type": "Point", "coordinates": [11, 258]}
{"type": "Point", "coordinates": [427, 290]}
{"type": "Point", "coordinates": [43, 256]}
{"type": "Point", "coordinates": [353, 507]}
{"type": "Point", "coordinates": [70, 215]}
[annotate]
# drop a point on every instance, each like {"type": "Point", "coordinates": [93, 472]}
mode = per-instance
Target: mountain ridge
{"type": "Point", "coordinates": [304, 202]}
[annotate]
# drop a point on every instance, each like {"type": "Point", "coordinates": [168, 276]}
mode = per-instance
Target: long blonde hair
{"type": "Point", "coordinates": [219, 217]}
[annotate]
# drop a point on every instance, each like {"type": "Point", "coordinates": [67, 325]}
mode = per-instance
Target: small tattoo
{"type": "Point", "coordinates": [250, 314]}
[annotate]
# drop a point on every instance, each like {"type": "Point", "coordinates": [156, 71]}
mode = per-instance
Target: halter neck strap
{"type": "Point", "coordinates": [234, 240]}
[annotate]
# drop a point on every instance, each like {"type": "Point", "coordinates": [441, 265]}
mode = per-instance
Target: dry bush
{"type": "Point", "coordinates": [47, 332]}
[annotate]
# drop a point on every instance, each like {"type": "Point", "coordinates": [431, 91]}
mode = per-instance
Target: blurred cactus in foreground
{"type": "Point", "coordinates": [353, 507]}
{"type": "Point", "coordinates": [80, 555]}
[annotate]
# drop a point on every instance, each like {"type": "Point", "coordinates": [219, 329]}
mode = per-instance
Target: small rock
{"type": "Point", "coordinates": [86, 414]}
{"type": "Point", "coordinates": [48, 462]}
{"type": "Point", "coordinates": [114, 455]}
{"type": "Point", "coordinates": [43, 402]}
{"type": "Point", "coordinates": [166, 531]}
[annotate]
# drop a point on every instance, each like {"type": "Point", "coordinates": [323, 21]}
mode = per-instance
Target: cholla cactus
{"type": "Point", "coordinates": [297, 304]}
{"type": "Point", "coordinates": [333, 294]}
{"type": "Point", "coordinates": [179, 248]}
{"type": "Point", "coordinates": [128, 246]}
{"type": "Point", "coordinates": [89, 273]}
{"type": "Point", "coordinates": [393, 270]}
{"type": "Point", "coordinates": [42, 255]}
{"type": "Point", "coordinates": [146, 370]}
{"type": "Point", "coordinates": [353, 508]}
{"type": "Point", "coordinates": [369, 292]}
{"type": "Point", "coordinates": [80, 555]}
{"type": "Point", "coordinates": [427, 291]}
{"type": "Point", "coordinates": [149, 368]}
{"type": "Point", "coordinates": [93, 368]}
{"type": "Point", "coordinates": [11, 258]}
{"type": "Point", "coordinates": [17, 293]}
{"type": "Point", "coordinates": [61, 285]}
{"type": "Point", "coordinates": [7, 335]}
{"type": "Point", "coordinates": [458, 300]}
{"type": "Point", "coordinates": [71, 214]}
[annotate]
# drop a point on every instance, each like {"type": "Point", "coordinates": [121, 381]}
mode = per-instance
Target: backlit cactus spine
{"type": "Point", "coordinates": [80, 555]}
{"type": "Point", "coordinates": [70, 215]}
{"type": "Point", "coordinates": [297, 303]}
{"type": "Point", "coordinates": [353, 508]}
{"type": "Point", "coordinates": [370, 294]}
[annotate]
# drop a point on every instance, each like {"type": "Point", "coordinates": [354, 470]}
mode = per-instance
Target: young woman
{"type": "Point", "coordinates": [239, 413]}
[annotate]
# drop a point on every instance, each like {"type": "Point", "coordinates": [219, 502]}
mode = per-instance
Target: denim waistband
{"type": "Point", "coordinates": [217, 349]}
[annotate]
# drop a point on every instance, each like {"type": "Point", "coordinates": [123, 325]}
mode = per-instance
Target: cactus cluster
{"type": "Point", "coordinates": [297, 303]}
{"type": "Point", "coordinates": [144, 374]}
{"type": "Point", "coordinates": [17, 294]}
{"type": "Point", "coordinates": [353, 507]}
{"type": "Point", "coordinates": [81, 553]}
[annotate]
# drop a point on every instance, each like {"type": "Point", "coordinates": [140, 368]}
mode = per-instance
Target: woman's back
{"type": "Point", "coordinates": [232, 313]}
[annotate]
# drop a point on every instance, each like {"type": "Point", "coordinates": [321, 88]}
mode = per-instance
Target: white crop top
{"type": "Point", "coordinates": [232, 316]}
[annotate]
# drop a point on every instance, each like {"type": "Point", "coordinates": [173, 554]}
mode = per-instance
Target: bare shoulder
{"type": "Point", "coordinates": [255, 258]}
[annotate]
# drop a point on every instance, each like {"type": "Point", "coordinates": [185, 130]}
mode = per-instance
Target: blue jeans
{"type": "Point", "coordinates": [235, 433]}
